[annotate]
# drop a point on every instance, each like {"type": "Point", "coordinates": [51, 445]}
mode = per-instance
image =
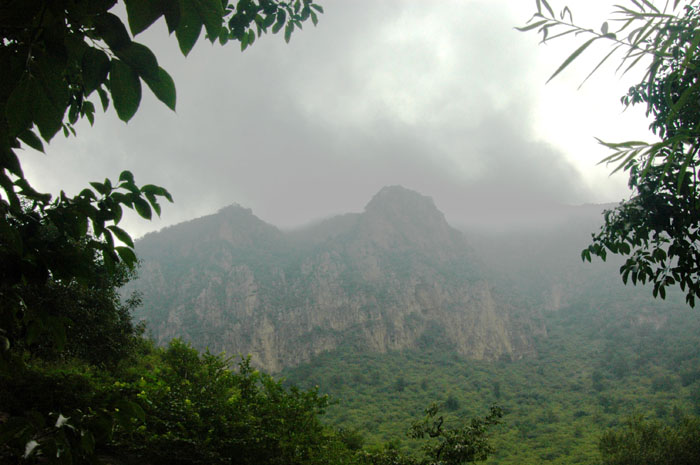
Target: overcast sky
{"type": "Point", "coordinates": [443, 97]}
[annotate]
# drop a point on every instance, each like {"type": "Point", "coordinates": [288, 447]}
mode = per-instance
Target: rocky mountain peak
{"type": "Point", "coordinates": [400, 218]}
{"type": "Point", "coordinates": [397, 202]}
{"type": "Point", "coordinates": [234, 224]}
{"type": "Point", "coordinates": [240, 227]}
{"type": "Point", "coordinates": [393, 277]}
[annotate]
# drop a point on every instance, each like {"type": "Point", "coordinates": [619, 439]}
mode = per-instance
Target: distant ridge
{"type": "Point", "coordinates": [395, 276]}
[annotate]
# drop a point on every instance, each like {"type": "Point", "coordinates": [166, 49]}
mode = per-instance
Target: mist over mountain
{"type": "Point", "coordinates": [392, 308]}
{"type": "Point", "coordinates": [395, 276]}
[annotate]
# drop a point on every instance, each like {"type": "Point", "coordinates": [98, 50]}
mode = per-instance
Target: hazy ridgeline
{"type": "Point", "coordinates": [390, 309]}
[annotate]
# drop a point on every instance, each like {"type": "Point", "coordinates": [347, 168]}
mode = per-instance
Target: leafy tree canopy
{"type": "Point", "coordinates": [62, 259]}
{"type": "Point", "coordinates": [454, 446]}
{"type": "Point", "coordinates": [658, 227]}
{"type": "Point", "coordinates": [652, 443]}
{"type": "Point", "coordinates": [58, 60]}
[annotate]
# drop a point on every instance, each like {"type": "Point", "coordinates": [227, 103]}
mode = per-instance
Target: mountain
{"type": "Point", "coordinates": [609, 351]}
{"type": "Point", "coordinates": [396, 276]}
{"type": "Point", "coordinates": [392, 309]}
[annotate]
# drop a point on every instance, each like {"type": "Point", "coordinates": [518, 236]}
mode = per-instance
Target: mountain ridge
{"type": "Point", "coordinates": [395, 276]}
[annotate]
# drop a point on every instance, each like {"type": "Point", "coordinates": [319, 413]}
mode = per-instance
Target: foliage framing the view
{"type": "Point", "coordinates": [57, 59]}
{"type": "Point", "coordinates": [658, 228]}
{"type": "Point", "coordinates": [62, 258]}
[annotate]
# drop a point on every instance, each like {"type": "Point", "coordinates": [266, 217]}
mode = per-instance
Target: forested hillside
{"type": "Point", "coordinates": [596, 367]}
{"type": "Point", "coordinates": [609, 353]}
{"type": "Point", "coordinates": [590, 354]}
{"type": "Point", "coordinates": [597, 362]}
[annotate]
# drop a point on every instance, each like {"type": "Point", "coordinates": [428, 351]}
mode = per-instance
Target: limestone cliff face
{"type": "Point", "coordinates": [395, 276]}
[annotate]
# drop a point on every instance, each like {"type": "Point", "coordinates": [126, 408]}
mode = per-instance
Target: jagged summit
{"type": "Point", "coordinates": [392, 277]}
{"type": "Point", "coordinates": [233, 224]}
{"type": "Point", "coordinates": [398, 199]}
{"type": "Point", "coordinates": [235, 210]}
{"type": "Point", "coordinates": [395, 220]}
{"type": "Point", "coordinates": [399, 218]}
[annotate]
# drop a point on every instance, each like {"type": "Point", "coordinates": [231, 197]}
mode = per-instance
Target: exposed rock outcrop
{"type": "Point", "coordinates": [395, 276]}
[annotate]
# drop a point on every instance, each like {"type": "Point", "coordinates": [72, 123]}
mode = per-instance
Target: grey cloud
{"type": "Point", "coordinates": [316, 127]}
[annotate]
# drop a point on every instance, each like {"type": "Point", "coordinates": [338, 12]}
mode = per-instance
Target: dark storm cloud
{"type": "Point", "coordinates": [435, 96]}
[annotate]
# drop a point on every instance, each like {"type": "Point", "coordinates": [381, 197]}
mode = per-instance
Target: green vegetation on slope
{"type": "Point", "coordinates": [106, 395]}
{"type": "Point", "coordinates": [597, 366]}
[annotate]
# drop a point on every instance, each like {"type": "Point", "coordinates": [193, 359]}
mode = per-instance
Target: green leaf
{"type": "Point", "coordinates": [549, 8]}
{"type": "Point", "coordinates": [57, 328]}
{"type": "Point", "coordinates": [600, 63]}
{"type": "Point", "coordinates": [28, 137]}
{"type": "Point", "coordinates": [156, 190]}
{"type": "Point", "coordinates": [625, 274]}
{"type": "Point", "coordinates": [117, 212]}
{"type": "Point", "coordinates": [127, 176]}
{"type": "Point", "coordinates": [154, 202]}
{"type": "Point", "coordinates": [142, 208]}
{"type": "Point", "coordinates": [95, 65]}
{"type": "Point", "coordinates": [163, 88]}
{"type": "Point", "coordinates": [112, 31]}
{"type": "Point", "coordinates": [211, 13]}
{"type": "Point", "coordinates": [88, 194]}
{"type": "Point", "coordinates": [73, 114]}
{"type": "Point", "coordinates": [52, 98]}
{"type": "Point", "coordinates": [171, 10]}
{"type": "Point", "coordinates": [288, 31]}
{"type": "Point", "coordinates": [130, 410]}
{"type": "Point", "coordinates": [189, 27]}
{"type": "Point", "coordinates": [531, 26]}
{"type": "Point", "coordinates": [104, 98]}
{"type": "Point", "coordinates": [318, 8]}
{"type": "Point", "coordinates": [28, 191]}
{"type": "Point", "coordinates": [244, 42]}
{"type": "Point", "coordinates": [127, 255]}
{"type": "Point", "coordinates": [9, 160]}
{"type": "Point", "coordinates": [142, 13]}
{"type": "Point", "coordinates": [109, 257]}
{"type": "Point", "coordinates": [122, 235]}
{"type": "Point", "coordinates": [20, 103]}
{"type": "Point", "coordinates": [269, 20]}
{"type": "Point", "coordinates": [9, 189]}
{"type": "Point", "coordinates": [101, 188]}
{"type": "Point", "coordinates": [88, 109]}
{"type": "Point", "coordinates": [281, 18]}
{"type": "Point", "coordinates": [140, 59]}
{"type": "Point", "coordinates": [651, 6]}
{"type": "Point", "coordinates": [572, 57]}
{"type": "Point", "coordinates": [11, 238]}
{"type": "Point", "coordinates": [126, 89]}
